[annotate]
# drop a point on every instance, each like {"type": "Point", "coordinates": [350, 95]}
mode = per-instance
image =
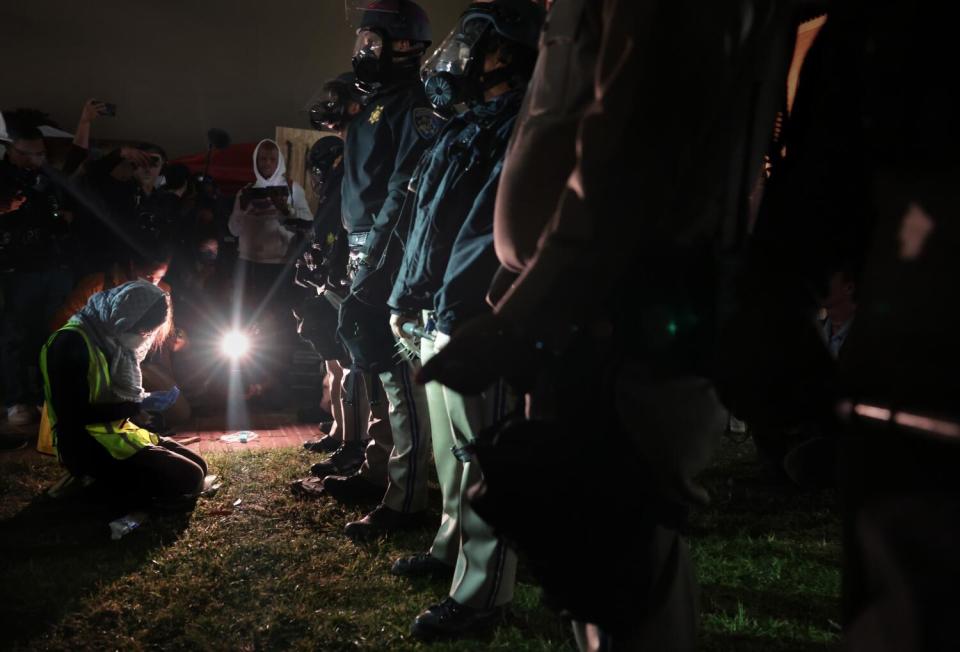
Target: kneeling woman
{"type": "Point", "coordinates": [93, 387]}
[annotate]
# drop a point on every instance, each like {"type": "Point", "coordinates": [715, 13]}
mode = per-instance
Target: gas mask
{"type": "Point", "coordinates": [453, 75]}
{"type": "Point", "coordinates": [332, 112]}
{"type": "Point", "coordinates": [318, 180]}
{"type": "Point", "coordinates": [371, 60]}
{"type": "Point", "coordinates": [324, 157]}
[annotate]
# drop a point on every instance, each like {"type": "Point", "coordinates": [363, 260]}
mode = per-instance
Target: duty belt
{"type": "Point", "coordinates": [357, 240]}
{"type": "Point", "coordinates": [356, 243]}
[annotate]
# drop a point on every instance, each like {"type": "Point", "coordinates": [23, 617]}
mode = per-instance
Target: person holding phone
{"type": "Point", "coordinates": [259, 213]}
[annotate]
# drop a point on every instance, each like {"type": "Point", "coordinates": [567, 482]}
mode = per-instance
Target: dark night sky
{"type": "Point", "coordinates": [177, 67]}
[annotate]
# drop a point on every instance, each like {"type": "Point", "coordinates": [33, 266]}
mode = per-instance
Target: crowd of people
{"type": "Point", "coordinates": [554, 258]}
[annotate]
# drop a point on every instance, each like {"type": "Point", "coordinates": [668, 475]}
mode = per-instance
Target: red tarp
{"type": "Point", "coordinates": [231, 168]}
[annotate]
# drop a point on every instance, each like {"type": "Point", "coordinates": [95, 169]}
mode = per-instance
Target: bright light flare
{"type": "Point", "coordinates": [235, 345]}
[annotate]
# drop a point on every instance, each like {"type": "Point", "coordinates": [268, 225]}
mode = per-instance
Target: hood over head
{"type": "Point", "coordinates": [279, 178]}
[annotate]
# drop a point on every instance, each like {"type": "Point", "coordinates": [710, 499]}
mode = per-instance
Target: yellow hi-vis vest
{"type": "Point", "coordinates": [121, 438]}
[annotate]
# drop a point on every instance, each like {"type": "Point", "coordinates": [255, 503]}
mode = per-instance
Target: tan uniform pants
{"type": "Point", "coordinates": [485, 572]}
{"type": "Point", "coordinates": [355, 416]}
{"type": "Point", "coordinates": [401, 453]}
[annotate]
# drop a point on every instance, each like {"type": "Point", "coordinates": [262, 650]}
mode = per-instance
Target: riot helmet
{"type": "Point", "coordinates": [333, 110]}
{"type": "Point", "coordinates": [379, 24]}
{"type": "Point", "coordinates": [321, 160]}
{"type": "Point", "coordinates": [454, 76]}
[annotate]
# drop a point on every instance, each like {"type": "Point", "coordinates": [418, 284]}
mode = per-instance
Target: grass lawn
{"type": "Point", "coordinates": [255, 569]}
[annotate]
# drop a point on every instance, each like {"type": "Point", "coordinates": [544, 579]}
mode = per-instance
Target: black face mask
{"type": "Point", "coordinates": [453, 75]}
{"type": "Point", "coordinates": [371, 60]}
{"type": "Point", "coordinates": [333, 113]}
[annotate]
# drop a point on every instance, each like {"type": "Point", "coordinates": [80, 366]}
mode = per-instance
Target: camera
{"type": "Point", "coordinates": [109, 110]}
{"type": "Point", "coordinates": [281, 192]}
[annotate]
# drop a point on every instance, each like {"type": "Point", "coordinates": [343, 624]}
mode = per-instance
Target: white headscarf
{"type": "Point", "coordinates": [279, 177]}
{"type": "Point", "coordinates": [107, 318]}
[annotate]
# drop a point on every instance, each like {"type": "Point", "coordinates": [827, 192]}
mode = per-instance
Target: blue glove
{"type": "Point", "coordinates": [160, 401]}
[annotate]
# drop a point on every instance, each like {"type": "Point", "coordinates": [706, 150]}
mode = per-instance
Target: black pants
{"type": "Point", "coordinates": [157, 475]}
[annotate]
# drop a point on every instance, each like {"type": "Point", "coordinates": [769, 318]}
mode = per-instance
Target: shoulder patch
{"type": "Point", "coordinates": [427, 123]}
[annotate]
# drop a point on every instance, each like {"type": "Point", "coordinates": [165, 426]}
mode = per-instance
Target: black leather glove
{"type": "Point", "coordinates": [365, 331]}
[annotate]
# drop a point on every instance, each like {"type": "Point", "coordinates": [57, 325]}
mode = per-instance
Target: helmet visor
{"type": "Point", "coordinates": [359, 13]}
{"type": "Point", "coordinates": [454, 55]}
{"type": "Point", "coordinates": [369, 45]}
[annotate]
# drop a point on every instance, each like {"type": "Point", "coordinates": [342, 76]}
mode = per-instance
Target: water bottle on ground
{"type": "Point", "coordinates": [126, 524]}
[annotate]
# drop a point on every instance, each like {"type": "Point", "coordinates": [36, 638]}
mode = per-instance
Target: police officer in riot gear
{"type": "Point", "coordinates": [322, 268]}
{"type": "Point", "coordinates": [478, 75]}
{"type": "Point", "coordinates": [640, 141]}
{"type": "Point", "coordinates": [383, 145]}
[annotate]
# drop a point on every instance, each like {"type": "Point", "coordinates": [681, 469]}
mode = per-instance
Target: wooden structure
{"type": "Point", "coordinates": [295, 144]}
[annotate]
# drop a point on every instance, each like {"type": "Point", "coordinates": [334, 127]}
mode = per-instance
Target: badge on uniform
{"type": "Point", "coordinates": [427, 123]}
{"type": "Point", "coordinates": [376, 114]}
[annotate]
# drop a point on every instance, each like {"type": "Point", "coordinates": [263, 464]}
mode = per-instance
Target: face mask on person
{"type": "Point", "coordinates": [370, 58]}
{"type": "Point", "coordinates": [137, 343]}
{"type": "Point", "coordinates": [450, 75]}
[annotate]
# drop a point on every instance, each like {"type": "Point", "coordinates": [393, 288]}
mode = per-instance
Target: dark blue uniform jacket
{"type": "Point", "coordinates": [383, 145]}
{"type": "Point", "coordinates": [449, 258]}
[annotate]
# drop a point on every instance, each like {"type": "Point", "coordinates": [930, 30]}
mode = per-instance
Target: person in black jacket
{"type": "Point", "coordinates": [120, 204]}
{"type": "Point", "coordinates": [34, 275]}
{"type": "Point", "coordinates": [384, 143]}
{"type": "Point", "coordinates": [323, 269]}
{"type": "Point", "coordinates": [447, 266]}
{"type": "Point", "coordinates": [626, 184]}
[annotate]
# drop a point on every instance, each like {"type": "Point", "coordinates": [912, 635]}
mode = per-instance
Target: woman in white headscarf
{"type": "Point", "coordinates": [93, 387]}
{"type": "Point", "coordinates": [261, 209]}
{"type": "Point", "coordinates": [260, 213]}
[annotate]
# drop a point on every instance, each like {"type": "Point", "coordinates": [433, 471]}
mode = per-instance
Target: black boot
{"type": "Point", "coordinates": [353, 489]}
{"type": "Point", "coordinates": [422, 564]}
{"type": "Point", "coordinates": [344, 461]}
{"type": "Point", "coordinates": [382, 521]}
{"type": "Point", "coordinates": [450, 619]}
{"type": "Point", "coordinates": [325, 444]}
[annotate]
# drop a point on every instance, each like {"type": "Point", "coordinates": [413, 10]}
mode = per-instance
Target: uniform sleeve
{"type": "Point", "coordinates": [416, 241]}
{"type": "Point", "coordinates": [473, 262]}
{"type": "Point", "coordinates": [412, 140]}
{"type": "Point", "coordinates": [589, 238]}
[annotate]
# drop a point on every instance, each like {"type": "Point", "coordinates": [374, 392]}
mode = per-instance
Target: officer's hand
{"type": "Point", "coordinates": [407, 341]}
{"type": "Point", "coordinates": [483, 350]}
{"type": "Point", "coordinates": [364, 286]}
